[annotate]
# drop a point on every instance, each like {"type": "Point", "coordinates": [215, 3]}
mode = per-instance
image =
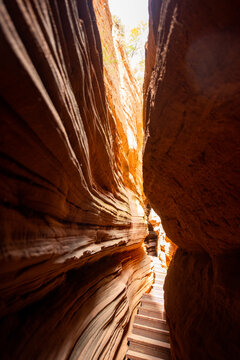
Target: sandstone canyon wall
{"type": "Point", "coordinates": [191, 168]}
{"type": "Point", "coordinates": [72, 224]}
{"type": "Point", "coordinates": [124, 98]}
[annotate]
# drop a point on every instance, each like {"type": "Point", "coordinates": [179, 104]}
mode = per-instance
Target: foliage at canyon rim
{"type": "Point", "coordinates": [133, 44]}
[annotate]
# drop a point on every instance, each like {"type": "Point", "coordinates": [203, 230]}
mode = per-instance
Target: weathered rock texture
{"type": "Point", "coordinates": [72, 267]}
{"type": "Point", "coordinates": [191, 168]}
{"type": "Point", "coordinates": [87, 317]}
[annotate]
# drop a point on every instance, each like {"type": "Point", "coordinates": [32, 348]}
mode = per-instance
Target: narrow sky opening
{"type": "Point", "coordinates": [133, 15]}
{"type": "Point", "coordinates": [131, 12]}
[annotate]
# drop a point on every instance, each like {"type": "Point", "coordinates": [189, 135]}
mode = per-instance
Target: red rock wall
{"type": "Point", "coordinates": [87, 317]}
{"type": "Point", "coordinates": [124, 98]}
{"type": "Point", "coordinates": [202, 304]}
{"type": "Point", "coordinates": [64, 201]}
{"type": "Point", "coordinates": [191, 167]}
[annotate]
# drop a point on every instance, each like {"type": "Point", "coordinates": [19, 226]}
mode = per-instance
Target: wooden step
{"type": "Point", "coordinates": [149, 346]}
{"type": "Point", "coordinates": [157, 286]}
{"type": "Point", "coordinates": [152, 313]}
{"type": "Point", "coordinates": [149, 332]}
{"type": "Point", "coordinates": [157, 278]}
{"type": "Point", "coordinates": [159, 270]}
{"type": "Point", "coordinates": [159, 274]}
{"type": "Point", "coordinates": [150, 296]}
{"type": "Point", "coordinates": [150, 321]}
{"type": "Point", "coordinates": [158, 289]}
{"type": "Point", "coordinates": [134, 355]}
{"type": "Point", "coordinates": [158, 282]}
{"type": "Point", "coordinates": [149, 303]}
{"type": "Point", "coordinates": [157, 293]}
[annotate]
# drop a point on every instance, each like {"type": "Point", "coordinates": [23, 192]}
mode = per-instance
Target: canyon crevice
{"type": "Point", "coordinates": [191, 168]}
{"type": "Point", "coordinates": [76, 132]}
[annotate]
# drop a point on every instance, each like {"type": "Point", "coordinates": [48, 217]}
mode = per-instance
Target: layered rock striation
{"type": "Point", "coordinates": [191, 168]}
{"type": "Point", "coordinates": [72, 223]}
{"type": "Point", "coordinates": [87, 317]}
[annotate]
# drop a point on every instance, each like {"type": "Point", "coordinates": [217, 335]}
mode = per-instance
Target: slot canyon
{"type": "Point", "coordinates": [85, 153]}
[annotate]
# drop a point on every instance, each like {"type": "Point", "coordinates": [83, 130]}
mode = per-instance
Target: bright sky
{"type": "Point", "coordinates": [131, 12]}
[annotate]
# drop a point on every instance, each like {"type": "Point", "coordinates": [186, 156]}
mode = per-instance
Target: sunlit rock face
{"type": "Point", "coordinates": [124, 98]}
{"type": "Point", "coordinates": [72, 224]}
{"type": "Point", "coordinates": [191, 168]}
{"type": "Point", "coordinates": [165, 247]}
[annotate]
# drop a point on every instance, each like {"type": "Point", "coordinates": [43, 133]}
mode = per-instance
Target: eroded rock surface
{"type": "Point", "coordinates": [191, 167]}
{"type": "Point", "coordinates": [65, 199]}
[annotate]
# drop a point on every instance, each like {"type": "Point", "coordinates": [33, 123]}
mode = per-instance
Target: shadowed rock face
{"type": "Point", "coordinates": [193, 108]}
{"type": "Point", "coordinates": [86, 317]}
{"type": "Point", "coordinates": [202, 305]}
{"type": "Point", "coordinates": [191, 167]}
{"type": "Point", "coordinates": [65, 202]}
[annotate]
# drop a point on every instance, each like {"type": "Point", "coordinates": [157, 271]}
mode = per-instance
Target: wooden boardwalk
{"type": "Point", "coordinates": [150, 336]}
